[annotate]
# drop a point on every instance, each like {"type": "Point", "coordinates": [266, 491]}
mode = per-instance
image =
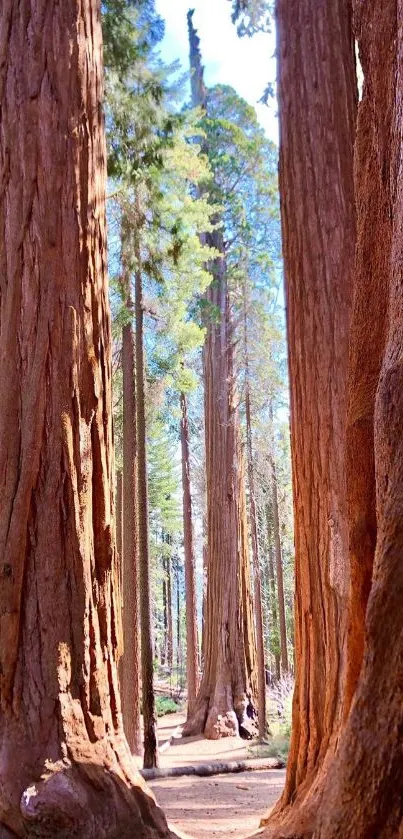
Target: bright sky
{"type": "Point", "coordinates": [247, 64]}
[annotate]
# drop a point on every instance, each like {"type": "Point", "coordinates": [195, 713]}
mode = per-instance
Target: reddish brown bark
{"type": "Point", "coordinates": [368, 327]}
{"type": "Point", "coordinates": [169, 638]}
{"type": "Point", "coordinates": [261, 669]}
{"type": "Point", "coordinates": [119, 516]}
{"type": "Point", "coordinates": [192, 653]}
{"type": "Point", "coordinates": [363, 797]}
{"type": "Point", "coordinates": [226, 703]}
{"type": "Point", "coordinates": [147, 658]}
{"type": "Point", "coordinates": [279, 570]}
{"type": "Point", "coordinates": [272, 599]}
{"type": "Point", "coordinates": [227, 698]}
{"type": "Point", "coordinates": [65, 766]}
{"type": "Point", "coordinates": [317, 92]}
{"type": "Point", "coordinates": [130, 664]}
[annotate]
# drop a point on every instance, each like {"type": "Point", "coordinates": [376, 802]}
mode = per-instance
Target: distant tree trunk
{"type": "Point", "coordinates": [204, 586]}
{"type": "Point", "coordinates": [279, 570]}
{"type": "Point", "coordinates": [192, 655]}
{"type": "Point", "coordinates": [147, 663]}
{"type": "Point", "coordinates": [164, 657]}
{"type": "Point", "coordinates": [363, 796]}
{"type": "Point", "coordinates": [273, 597]}
{"type": "Point", "coordinates": [178, 626]}
{"type": "Point", "coordinates": [130, 663]}
{"type": "Point", "coordinates": [65, 767]}
{"type": "Point", "coordinates": [261, 669]}
{"type": "Point", "coordinates": [317, 96]}
{"type": "Point", "coordinates": [226, 703]}
{"type": "Point", "coordinates": [170, 626]}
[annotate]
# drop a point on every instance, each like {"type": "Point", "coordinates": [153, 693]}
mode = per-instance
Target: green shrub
{"type": "Point", "coordinates": [166, 705]}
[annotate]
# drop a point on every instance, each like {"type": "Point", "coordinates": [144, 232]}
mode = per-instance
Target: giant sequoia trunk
{"type": "Point", "coordinates": [226, 703]}
{"type": "Point", "coordinates": [65, 767]}
{"type": "Point", "coordinates": [317, 92]}
{"type": "Point", "coordinates": [192, 655]}
{"type": "Point", "coordinates": [279, 570]}
{"type": "Point", "coordinates": [261, 668]}
{"type": "Point", "coordinates": [130, 663]}
{"type": "Point", "coordinates": [363, 797]}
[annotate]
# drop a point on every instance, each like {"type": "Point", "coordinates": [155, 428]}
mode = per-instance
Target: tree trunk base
{"type": "Point", "coordinates": [89, 801]}
{"type": "Point", "coordinates": [215, 722]}
{"type": "Point", "coordinates": [295, 814]}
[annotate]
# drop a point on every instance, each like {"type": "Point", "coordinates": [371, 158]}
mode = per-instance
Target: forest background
{"type": "Point", "coordinates": [173, 175]}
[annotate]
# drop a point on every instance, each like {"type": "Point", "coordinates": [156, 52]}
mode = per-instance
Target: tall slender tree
{"type": "Point", "coordinates": [226, 702]}
{"type": "Point", "coordinates": [279, 568]}
{"type": "Point", "coordinates": [192, 653]}
{"type": "Point", "coordinates": [65, 768]}
{"type": "Point", "coordinates": [147, 669]}
{"type": "Point", "coordinates": [130, 664]}
{"type": "Point", "coordinates": [253, 530]}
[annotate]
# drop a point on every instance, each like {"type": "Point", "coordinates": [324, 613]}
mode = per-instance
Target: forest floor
{"type": "Point", "coordinates": [218, 806]}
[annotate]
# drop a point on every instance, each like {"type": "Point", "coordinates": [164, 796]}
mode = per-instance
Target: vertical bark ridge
{"type": "Point", "coordinates": [192, 655]}
{"type": "Point", "coordinates": [363, 797]}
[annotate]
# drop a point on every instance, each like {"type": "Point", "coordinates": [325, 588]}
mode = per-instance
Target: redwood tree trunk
{"type": "Point", "coordinates": [65, 767]}
{"type": "Point", "coordinates": [368, 331]}
{"type": "Point", "coordinates": [130, 665]}
{"type": "Point", "coordinates": [192, 655]}
{"type": "Point", "coordinates": [317, 93]}
{"type": "Point", "coordinates": [226, 703]}
{"type": "Point", "coordinates": [170, 626]}
{"type": "Point", "coordinates": [363, 797]}
{"type": "Point", "coordinates": [261, 669]}
{"type": "Point", "coordinates": [279, 570]}
{"type": "Point", "coordinates": [273, 596]}
{"type": "Point", "coordinates": [147, 658]}
{"type": "Point", "coordinates": [164, 657]}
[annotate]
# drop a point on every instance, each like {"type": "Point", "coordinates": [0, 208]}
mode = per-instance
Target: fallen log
{"type": "Point", "coordinates": [204, 770]}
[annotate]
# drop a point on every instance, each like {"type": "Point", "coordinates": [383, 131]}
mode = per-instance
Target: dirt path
{"type": "Point", "coordinates": [219, 806]}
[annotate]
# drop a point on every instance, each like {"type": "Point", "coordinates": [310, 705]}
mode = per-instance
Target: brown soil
{"type": "Point", "coordinates": [219, 806]}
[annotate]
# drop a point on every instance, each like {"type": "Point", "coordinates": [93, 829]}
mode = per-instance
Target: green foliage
{"type": "Point", "coordinates": [252, 16]}
{"type": "Point", "coordinates": [164, 482]}
{"type": "Point", "coordinates": [166, 705]}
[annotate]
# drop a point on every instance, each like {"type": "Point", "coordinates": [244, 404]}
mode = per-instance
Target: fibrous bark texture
{"type": "Point", "coordinates": [257, 589]}
{"type": "Point", "coordinates": [192, 653]}
{"type": "Point", "coordinates": [317, 93]}
{"type": "Point", "coordinates": [279, 570]}
{"type": "Point", "coordinates": [65, 768]}
{"type": "Point", "coordinates": [363, 796]}
{"type": "Point", "coordinates": [368, 335]}
{"type": "Point", "coordinates": [130, 664]}
{"type": "Point", "coordinates": [150, 758]}
{"type": "Point", "coordinates": [226, 703]}
{"type": "Point", "coordinates": [119, 517]}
